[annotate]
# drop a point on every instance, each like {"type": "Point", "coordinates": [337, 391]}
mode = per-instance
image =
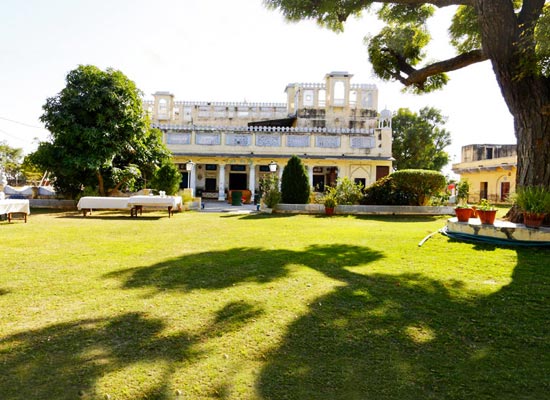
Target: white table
{"type": "Point", "coordinates": [138, 202]}
{"type": "Point", "coordinates": [89, 203]}
{"type": "Point", "coordinates": [15, 206]}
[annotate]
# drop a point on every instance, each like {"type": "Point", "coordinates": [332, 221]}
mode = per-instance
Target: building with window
{"type": "Point", "coordinates": [490, 169]}
{"type": "Point", "coordinates": [333, 126]}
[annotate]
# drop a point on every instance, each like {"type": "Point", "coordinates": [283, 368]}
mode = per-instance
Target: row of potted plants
{"type": "Point", "coordinates": [533, 201]}
{"type": "Point", "coordinates": [484, 211]}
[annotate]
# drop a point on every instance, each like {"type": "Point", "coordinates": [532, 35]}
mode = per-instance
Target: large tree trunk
{"type": "Point", "coordinates": [532, 128]}
{"type": "Point", "coordinates": [508, 41]}
{"type": "Point", "coordinates": [100, 184]}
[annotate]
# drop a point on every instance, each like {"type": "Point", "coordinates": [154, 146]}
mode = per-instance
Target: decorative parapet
{"type": "Point", "coordinates": [221, 104]}
{"type": "Point", "coordinates": [314, 85]}
{"type": "Point", "coordinates": [299, 129]}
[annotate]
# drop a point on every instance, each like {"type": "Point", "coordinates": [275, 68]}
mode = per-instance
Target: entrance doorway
{"type": "Point", "coordinates": [319, 183]}
{"type": "Point", "coordinates": [483, 186]}
{"type": "Point", "coordinates": [504, 191]}
{"type": "Point", "coordinates": [210, 184]}
{"type": "Point", "coordinates": [238, 181]}
{"type": "Point", "coordinates": [184, 183]}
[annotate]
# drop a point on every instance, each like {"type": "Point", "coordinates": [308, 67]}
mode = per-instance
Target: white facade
{"type": "Point", "coordinates": [333, 127]}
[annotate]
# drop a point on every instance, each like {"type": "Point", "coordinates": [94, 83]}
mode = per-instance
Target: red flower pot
{"type": "Point", "coordinates": [463, 214]}
{"type": "Point", "coordinates": [533, 220]}
{"type": "Point", "coordinates": [487, 217]}
{"type": "Point", "coordinates": [329, 211]}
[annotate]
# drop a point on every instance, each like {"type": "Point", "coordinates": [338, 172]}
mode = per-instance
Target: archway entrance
{"type": "Point", "coordinates": [238, 181]}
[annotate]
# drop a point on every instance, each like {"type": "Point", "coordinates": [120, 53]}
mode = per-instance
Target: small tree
{"type": "Point", "coordinates": [462, 191]}
{"type": "Point", "coordinates": [166, 178]}
{"type": "Point", "coordinates": [295, 183]}
{"type": "Point", "coordinates": [10, 160]}
{"type": "Point", "coordinates": [271, 195]}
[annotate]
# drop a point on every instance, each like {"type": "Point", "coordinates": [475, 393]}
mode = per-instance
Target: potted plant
{"type": "Point", "coordinates": [462, 191]}
{"type": "Point", "coordinates": [534, 201]}
{"type": "Point", "coordinates": [464, 212]}
{"type": "Point", "coordinates": [330, 203]}
{"type": "Point", "coordinates": [486, 212]}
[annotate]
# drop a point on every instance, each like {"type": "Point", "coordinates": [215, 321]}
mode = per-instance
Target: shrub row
{"type": "Point", "coordinates": [412, 187]}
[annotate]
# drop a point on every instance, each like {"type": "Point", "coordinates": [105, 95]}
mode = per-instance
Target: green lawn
{"type": "Point", "coordinates": [207, 306]}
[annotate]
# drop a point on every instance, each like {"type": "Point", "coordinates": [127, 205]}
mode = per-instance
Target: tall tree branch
{"type": "Point", "coordinates": [530, 12]}
{"type": "Point", "coordinates": [418, 77]}
{"type": "Point", "coordinates": [437, 3]}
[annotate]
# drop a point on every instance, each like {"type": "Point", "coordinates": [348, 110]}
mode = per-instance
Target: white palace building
{"type": "Point", "coordinates": [334, 127]}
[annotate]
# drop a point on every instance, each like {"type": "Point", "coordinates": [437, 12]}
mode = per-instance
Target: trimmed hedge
{"type": "Point", "coordinates": [384, 192]}
{"type": "Point", "coordinates": [412, 187]}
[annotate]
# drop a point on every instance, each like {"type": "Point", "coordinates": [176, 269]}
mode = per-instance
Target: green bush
{"type": "Point", "coordinates": [412, 187]}
{"type": "Point", "coordinates": [166, 178]}
{"type": "Point", "coordinates": [347, 192]}
{"type": "Point", "coordinates": [295, 183]}
{"type": "Point", "coordinates": [421, 184]}
{"type": "Point", "coordinates": [385, 192]}
{"type": "Point", "coordinates": [271, 195]}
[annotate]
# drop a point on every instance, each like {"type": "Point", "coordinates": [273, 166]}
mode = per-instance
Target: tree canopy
{"type": "Point", "coordinates": [99, 135]}
{"type": "Point", "coordinates": [10, 160]}
{"type": "Point", "coordinates": [511, 34]}
{"type": "Point", "coordinates": [419, 140]}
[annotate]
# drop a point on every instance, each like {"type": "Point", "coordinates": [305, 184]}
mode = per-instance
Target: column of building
{"type": "Point", "coordinates": [221, 183]}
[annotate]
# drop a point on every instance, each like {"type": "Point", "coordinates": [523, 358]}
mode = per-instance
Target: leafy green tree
{"type": "Point", "coordinates": [97, 130]}
{"type": "Point", "coordinates": [295, 183]}
{"type": "Point", "coordinates": [419, 141]}
{"type": "Point", "coordinates": [167, 178]}
{"type": "Point", "coordinates": [10, 160]}
{"type": "Point", "coordinates": [511, 34]}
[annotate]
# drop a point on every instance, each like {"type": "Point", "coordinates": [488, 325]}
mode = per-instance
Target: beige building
{"type": "Point", "coordinates": [490, 169]}
{"type": "Point", "coordinates": [334, 127]}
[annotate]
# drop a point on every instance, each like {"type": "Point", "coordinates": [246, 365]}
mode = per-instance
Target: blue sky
{"type": "Point", "coordinates": [213, 50]}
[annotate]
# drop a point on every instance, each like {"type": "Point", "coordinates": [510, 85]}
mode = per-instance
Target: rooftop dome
{"type": "Point", "coordinates": [385, 114]}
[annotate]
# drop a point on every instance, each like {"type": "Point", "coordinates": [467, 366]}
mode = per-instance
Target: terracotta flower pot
{"type": "Point", "coordinates": [463, 214]}
{"type": "Point", "coordinates": [329, 211]}
{"type": "Point", "coordinates": [487, 217]}
{"type": "Point", "coordinates": [533, 220]}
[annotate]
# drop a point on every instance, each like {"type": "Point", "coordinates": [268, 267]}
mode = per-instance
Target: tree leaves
{"type": "Point", "coordinates": [419, 140]}
{"type": "Point", "coordinates": [98, 128]}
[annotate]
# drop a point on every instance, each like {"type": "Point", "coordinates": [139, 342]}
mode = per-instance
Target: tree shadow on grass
{"type": "Point", "coordinates": [66, 361]}
{"type": "Point", "coordinates": [402, 219]}
{"type": "Point", "coordinates": [113, 215]}
{"type": "Point", "coordinates": [411, 337]}
{"type": "Point", "coordinates": [260, 216]}
{"type": "Point", "coordinates": [220, 269]}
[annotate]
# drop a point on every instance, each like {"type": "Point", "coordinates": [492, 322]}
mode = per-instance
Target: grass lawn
{"type": "Point", "coordinates": [208, 306]}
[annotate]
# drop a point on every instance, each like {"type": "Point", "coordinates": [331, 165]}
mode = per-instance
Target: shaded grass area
{"type": "Point", "coordinates": [209, 306]}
